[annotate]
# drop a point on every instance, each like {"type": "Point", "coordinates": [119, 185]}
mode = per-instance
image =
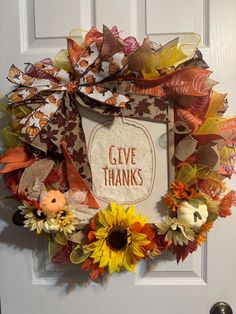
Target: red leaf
{"type": "Point", "coordinates": [182, 252]}
{"type": "Point", "coordinates": [62, 255]}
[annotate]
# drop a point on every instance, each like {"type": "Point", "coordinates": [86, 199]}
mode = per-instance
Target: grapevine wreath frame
{"type": "Point", "coordinates": [47, 170]}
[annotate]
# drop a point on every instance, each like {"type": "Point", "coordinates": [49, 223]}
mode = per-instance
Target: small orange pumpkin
{"type": "Point", "coordinates": [83, 63]}
{"type": "Point", "coordinates": [15, 97]}
{"type": "Point", "coordinates": [88, 89]}
{"type": "Point", "coordinates": [54, 85]}
{"type": "Point", "coordinates": [90, 79]}
{"type": "Point", "coordinates": [50, 71]}
{"type": "Point", "coordinates": [97, 66]}
{"type": "Point", "coordinates": [52, 201]}
{"type": "Point", "coordinates": [52, 99]}
{"type": "Point", "coordinates": [13, 72]}
{"type": "Point", "coordinates": [32, 131]}
{"type": "Point", "coordinates": [59, 102]}
{"type": "Point", "coordinates": [43, 122]}
{"type": "Point", "coordinates": [32, 92]}
{"type": "Point", "coordinates": [95, 69]}
{"type": "Point", "coordinates": [111, 101]}
{"type": "Point", "coordinates": [100, 89]}
{"type": "Point", "coordinates": [39, 65]}
{"type": "Point", "coordinates": [38, 114]}
{"type": "Point", "coordinates": [26, 77]}
{"type": "Point", "coordinates": [113, 68]}
{"type": "Point", "coordinates": [122, 105]}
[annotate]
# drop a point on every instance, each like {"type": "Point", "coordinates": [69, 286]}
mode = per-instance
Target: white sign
{"type": "Point", "coordinates": [122, 161]}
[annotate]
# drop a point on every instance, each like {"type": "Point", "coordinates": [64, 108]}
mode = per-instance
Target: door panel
{"type": "Point", "coordinates": [29, 282]}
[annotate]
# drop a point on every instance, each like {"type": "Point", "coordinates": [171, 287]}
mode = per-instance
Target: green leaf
{"type": "Point", "coordinates": [211, 217]}
{"type": "Point", "coordinates": [194, 202]}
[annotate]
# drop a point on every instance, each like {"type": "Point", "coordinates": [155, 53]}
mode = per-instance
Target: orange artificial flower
{"type": "Point", "coordinates": [182, 191]}
{"type": "Point", "coordinates": [201, 238]}
{"type": "Point", "coordinates": [179, 192]}
{"type": "Point", "coordinates": [226, 203]}
{"type": "Point", "coordinates": [171, 203]}
{"type": "Point", "coordinates": [95, 270]}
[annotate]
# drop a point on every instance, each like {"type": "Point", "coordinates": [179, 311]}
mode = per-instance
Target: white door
{"type": "Point", "coordinates": [33, 29]}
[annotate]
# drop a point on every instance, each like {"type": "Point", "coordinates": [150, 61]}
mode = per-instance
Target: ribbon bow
{"type": "Point", "coordinates": [106, 78]}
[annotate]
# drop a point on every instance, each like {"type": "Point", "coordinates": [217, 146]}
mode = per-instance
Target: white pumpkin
{"type": "Point", "coordinates": [195, 217]}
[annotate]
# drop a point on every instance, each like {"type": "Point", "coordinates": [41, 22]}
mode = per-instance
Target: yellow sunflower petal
{"type": "Point", "coordinates": [121, 216]}
{"type": "Point", "coordinates": [127, 262]}
{"type": "Point", "coordinates": [101, 233]}
{"type": "Point", "coordinates": [112, 264]}
{"type": "Point", "coordinates": [102, 220]}
{"type": "Point", "coordinates": [94, 245]}
{"type": "Point", "coordinates": [104, 261]}
{"type": "Point", "coordinates": [130, 213]}
{"type": "Point", "coordinates": [109, 218]}
{"type": "Point", "coordinates": [136, 250]}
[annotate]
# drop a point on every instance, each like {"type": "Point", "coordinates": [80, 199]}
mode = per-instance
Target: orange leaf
{"type": "Point", "coordinates": [16, 165]}
{"type": "Point", "coordinates": [14, 155]}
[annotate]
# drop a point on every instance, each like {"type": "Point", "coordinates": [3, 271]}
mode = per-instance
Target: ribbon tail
{"type": "Point", "coordinates": [75, 180]}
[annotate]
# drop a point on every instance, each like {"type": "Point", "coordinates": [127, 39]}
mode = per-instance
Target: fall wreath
{"type": "Point", "coordinates": [47, 170]}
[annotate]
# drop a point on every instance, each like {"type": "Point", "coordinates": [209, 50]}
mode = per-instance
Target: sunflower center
{"type": "Point", "coordinates": [117, 238]}
{"type": "Point", "coordinates": [41, 216]}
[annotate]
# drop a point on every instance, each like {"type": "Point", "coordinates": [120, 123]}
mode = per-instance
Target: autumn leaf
{"type": "Point", "coordinates": [62, 255]}
{"type": "Point", "coordinates": [143, 107]}
{"type": "Point", "coordinates": [59, 119]}
{"type": "Point", "coordinates": [161, 117]}
{"type": "Point", "coordinates": [70, 139]}
{"type": "Point", "coordinates": [182, 252]}
{"type": "Point", "coordinates": [79, 155]}
{"type": "Point", "coordinates": [160, 103]}
{"type": "Point", "coordinates": [71, 126]}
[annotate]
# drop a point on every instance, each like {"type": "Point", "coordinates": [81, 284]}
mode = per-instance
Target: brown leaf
{"type": "Point", "coordinates": [143, 107]}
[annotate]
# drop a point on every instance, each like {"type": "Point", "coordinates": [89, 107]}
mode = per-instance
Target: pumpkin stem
{"type": "Point", "coordinates": [197, 216]}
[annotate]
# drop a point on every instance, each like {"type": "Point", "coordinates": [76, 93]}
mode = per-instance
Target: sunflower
{"type": "Point", "coordinates": [35, 219]}
{"type": "Point", "coordinates": [119, 238]}
{"type": "Point", "coordinates": [66, 220]}
{"type": "Point", "coordinates": [175, 230]}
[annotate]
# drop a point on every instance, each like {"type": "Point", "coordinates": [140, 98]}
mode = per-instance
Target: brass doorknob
{"type": "Point", "coordinates": [221, 308]}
